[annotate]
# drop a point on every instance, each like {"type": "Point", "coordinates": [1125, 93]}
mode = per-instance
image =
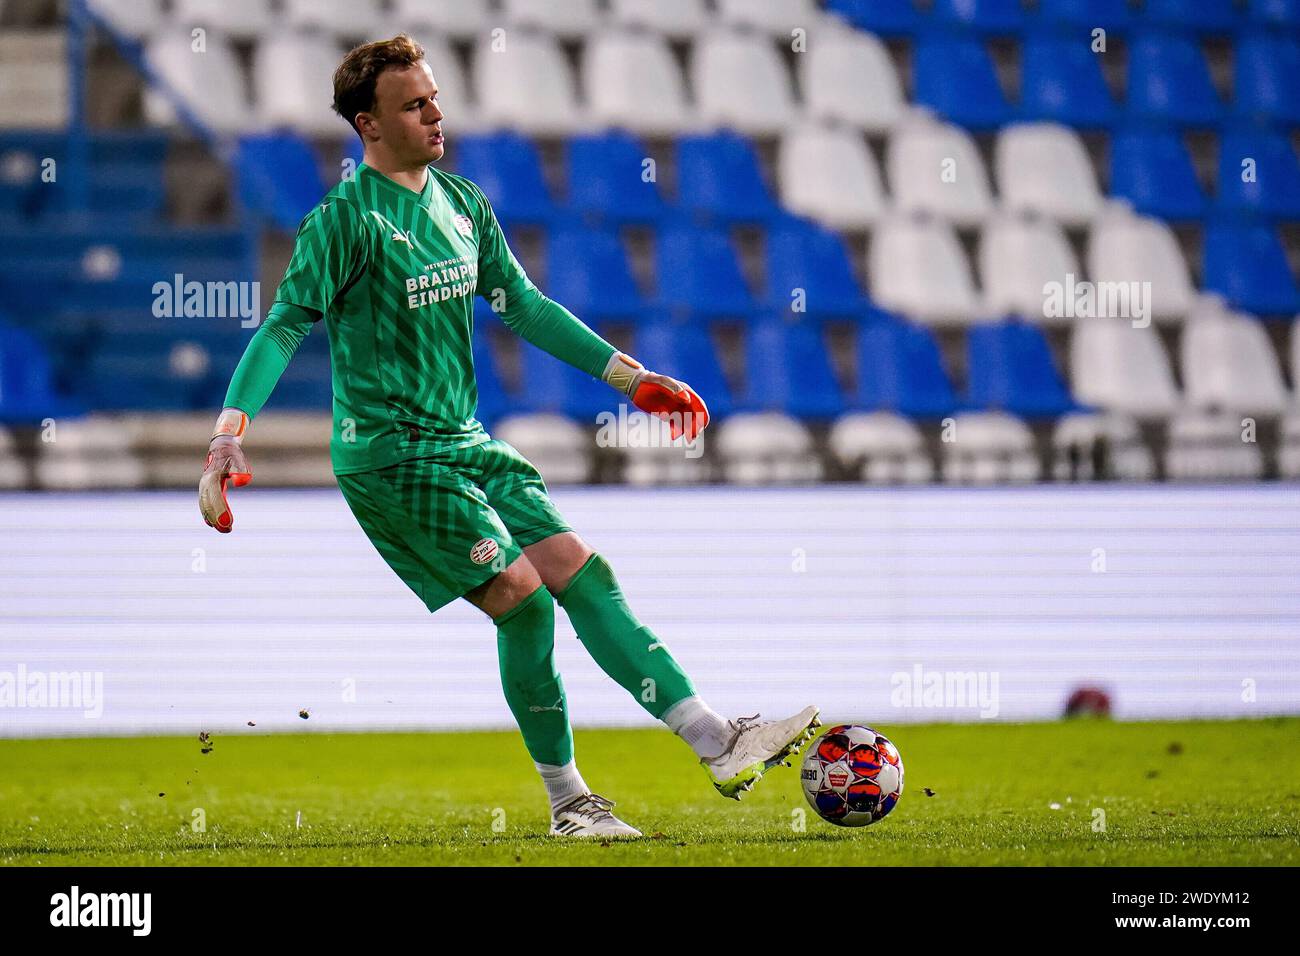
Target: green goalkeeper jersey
{"type": "Point", "coordinates": [394, 274]}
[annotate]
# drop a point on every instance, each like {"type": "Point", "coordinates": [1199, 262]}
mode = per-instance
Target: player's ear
{"type": "Point", "coordinates": [368, 125]}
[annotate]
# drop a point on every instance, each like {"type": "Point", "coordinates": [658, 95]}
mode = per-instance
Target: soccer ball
{"type": "Point", "coordinates": [852, 776]}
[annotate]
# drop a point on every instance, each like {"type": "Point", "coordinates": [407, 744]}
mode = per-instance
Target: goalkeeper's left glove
{"type": "Point", "coordinates": [658, 395]}
{"type": "Point", "coordinates": [226, 462]}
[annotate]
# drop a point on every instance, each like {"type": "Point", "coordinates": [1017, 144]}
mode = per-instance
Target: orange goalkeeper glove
{"type": "Point", "coordinates": [658, 395]}
{"type": "Point", "coordinates": [226, 462]}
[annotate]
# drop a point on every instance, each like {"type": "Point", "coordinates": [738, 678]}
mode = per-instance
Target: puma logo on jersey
{"type": "Point", "coordinates": [464, 225]}
{"type": "Point", "coordinates": [397, 234]}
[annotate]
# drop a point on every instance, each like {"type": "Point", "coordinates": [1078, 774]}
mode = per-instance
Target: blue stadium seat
{"type": "Point", "coordinates": [124, 375]}
{"type": "Point", "coordinates": [900, 370]}
{"type": "Point", "coordinates": [1085, 15]}
{"type": "Point", "coordinates": [484, 317]}
{"type": "Point", "coordinates": [686, 351]}
{"type": "Point", "coordinates": [888, 18]}
{"type": "Point", "coordinates": [1266, 74]}
{"type": "Point", "coordinates": [1247, 265]}
{"type": "Point", "coordinates": [698, 273]}
{"type": "Point", "coordinates": [1010, 369]}
{"type": "Point", "coordinates": [589, 274]}
{"type": "Point", "coordinates": [1275, 13]}
{"type": "Point", "coordinates": [27, 393]}
{"type": "Point", "coordinates": [605, 180]}
{"type": "Point", "coordinates": [507, 167]}
{"type": "Point", "coordinates": [493, 399]}
{"type": "Point", "coordinates": [1153, 170]}
{"type": "Point", "coordinates": [1275, 191]}
{"type": "Point", "coordinates": [1169, 81]}
{"type": "Point", "coordinates": [802, 255]}
{"type": "Point", "coordinates": [955, 77]}
{"type": "Point", "coordinates": [787, 369]}
{"type": "Point", "coordinates": [1062, 81]}
{"type": "Point", "coordinates": [987, 17]}
{"type": "Point", "coordinates": [305, 385]}
{"type": "Point", "coordinates": [1196, 16]}
{"type": "Point", "coordinates": [550, 385]}
{"type": "Point", "coordinates": [718, 177]}
{"type": "Point", "coordinates": [279, 177]}
{"type": "Point", "coordinates": [126, 177]}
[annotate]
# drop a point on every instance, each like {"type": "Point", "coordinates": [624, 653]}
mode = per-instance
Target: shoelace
{"type": "Point", "coordinates": [744, 723]}
{"type": "Point", "coordinates": [599, 810]}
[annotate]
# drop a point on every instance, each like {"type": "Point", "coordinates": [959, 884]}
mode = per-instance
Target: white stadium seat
{"type": "Point", "coordinates": [1043, 168]}
{"type": "Point", "coordinates": [561, 449]}
{"type": "Point", "coordinates": [777, 17]}
{"type": "Point", "coordinates": [293, 83]}
{"type": "Point", "coordinates": [1124, 247]}
{"type": "Point", "coordinates": [461, 111]}
{"type": "Point", "coordinates": [457, 19]}
{"type": "Point", "coordinates": [34, 87]}
{"type": "Point", "coordinates": [917, 266]}
{"type": "Point", "coordinates": [660, 460]}
{"type": "Point", "coordinates": [990, 447]}
{"type": "Point", "coordinates": [133, 18]}
{"type": "Point", "coordinates": [241, 19]}
{"type": "Point", "coordinates": [571, 19]}
{"type": "Point", "coordinates": [13, 470]}
{"type": "Point", "coordinates": [679, 19]}
{"type": "Point", "coordinates": [1120, 368]}
{"type": "Point", "coordinates": [1229, 364]}
{"type": "Point", "coordinates": [1288, 456]}
{"type": "Point", "coordinates": [848, 77]}
{"type": "Point", "coordinates": [935, 168]}
{"type": "Point", "coordinates": [618, 68]}
{"type": "Point", "coordinates": [1210, 447]}
{"type": "Point", "coordinates": [1081, 438]}
{"type": "Point", "coordinates": [760, 448]}
{"type": "Point", "coordinates": [211, 85]}
{"type": "Point", "coordinates": [350, 20]}
{"type": "Point", "coordinates": [741, 81]}
{"type": "Point", "coordinates": [830, 175]}
{"type": "Point", "coordinates": [881, 448]}
{"type": "Point", "coordinates": [1017, 257]}
{"type": "Point", "coordinates": [526, 85]}
{"type": "Point", "coordinates": [88, 453]}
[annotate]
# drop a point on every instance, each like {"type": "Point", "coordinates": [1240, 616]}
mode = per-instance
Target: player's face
{"type": "Point", "coordinates": [406, 115]}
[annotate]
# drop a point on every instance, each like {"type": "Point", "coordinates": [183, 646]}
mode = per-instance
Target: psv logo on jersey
{"type": "Point", "coordinates": [464, 225]}
{"type": "Point", "coordinates": [483, 551]}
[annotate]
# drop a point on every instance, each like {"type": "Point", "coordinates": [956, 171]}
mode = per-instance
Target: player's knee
{"type": "Point", "coordinates": [507, 589]}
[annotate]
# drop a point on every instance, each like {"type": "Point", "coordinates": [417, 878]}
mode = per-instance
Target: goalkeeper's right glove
{"type": "Point", "coordinates": [226, 462]}
{"type": "Point", "coordinates": [659, 395]}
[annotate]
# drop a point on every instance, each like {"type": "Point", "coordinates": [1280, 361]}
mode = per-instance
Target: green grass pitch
{"type": "Point", "coordinates": [1199, 793]}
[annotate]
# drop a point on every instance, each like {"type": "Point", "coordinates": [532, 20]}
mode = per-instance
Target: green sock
{"type": "Point", "coordinates": [534, 691]}
{"type": "Point", "coordinates": [625, 649]}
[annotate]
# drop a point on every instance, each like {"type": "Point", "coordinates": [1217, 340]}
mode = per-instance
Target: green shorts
{"type": "Point", "coordinates": [449, 522]}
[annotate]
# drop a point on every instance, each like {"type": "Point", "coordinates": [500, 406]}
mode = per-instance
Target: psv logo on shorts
{"type": "Point", "coordinates": [464, 225]}
{"type": "Point", "coordinates": [484, 550]}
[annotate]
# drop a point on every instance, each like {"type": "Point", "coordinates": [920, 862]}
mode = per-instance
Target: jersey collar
{"type": "Point", "coordinates": [423, 196]}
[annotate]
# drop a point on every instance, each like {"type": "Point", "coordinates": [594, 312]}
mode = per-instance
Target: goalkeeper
{"type": "Point", "coordinates": [391, 260]}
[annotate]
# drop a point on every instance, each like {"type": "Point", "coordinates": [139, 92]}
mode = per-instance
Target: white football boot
{"type": "Point", "coordinates": [588, 815]}
{"type": "Point", "coordinates": [759, 745]}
